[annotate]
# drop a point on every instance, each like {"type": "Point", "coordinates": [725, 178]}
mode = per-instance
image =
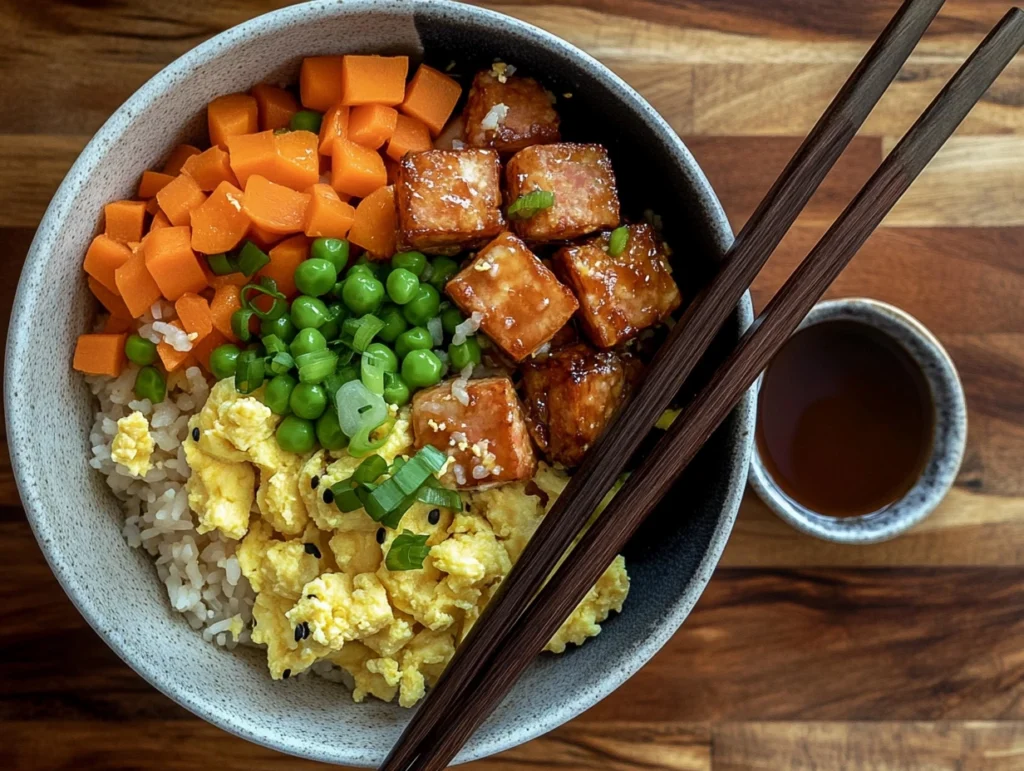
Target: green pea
{"type": "Point", "coordinates": [464, 353]}
{"type": "Point", "coordinates": [421, 368]}
{"type": "Point", "coordinates": [451, 318]}
{"type": "Point", "coordinates": [308, 312]}
{"type": "Point", "coordinates": [346, 374]}
{"type": "Point", "coordinates": [396, 391]}
{"type": "Point", "coordinates": [150, 384]}
{"type": "Point", "coordinates": [384, 356]}
{"type": "Point", "coordinates": [307, 341]}
{"type": "Point", "coordinates": [415, 339]}
{"type": "Point", "coordinates": [361, 267]}
{"type": "Point", "coordinates": [336, 314]}
{"type": "Point", "coordinates": [223, 361]}
{"type": "Point", "coordinates": [334, 250]}
{"type": "Point", "coordinates": [282, 327]}
{"type": "Point", "coordinates": [394, 322]}
{"type": "Point", "coordinates": [362, 294]}
{"type": "Point", "coordinates": [315, 277]}
{"type": "Point", "coordinates": [296, 435]}
{"type": "Point", "coordinates": [308, 401]}
{"type": "Point", "coordinates": [443, 269]}
{"type": "Point", "coordinates": [402, 285]}
{"type": "Point", "coordinates": [139, 350]}
{"type": "Point", "coordinates": [414, 262]}
{"type": "Point", "coordinates": [306, 120]}
{"type": "Point", "coordinates": [278, 393]}
{"type": "Point", "coordinates": [423, 306]}
{"type": "Point", "coordinates": [329, 433]}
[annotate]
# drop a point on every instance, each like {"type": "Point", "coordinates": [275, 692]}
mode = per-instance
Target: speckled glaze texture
{"type": "Point", "coordinates": [949, 434]}
{"type": "Point", "coordinates": [49, 409]}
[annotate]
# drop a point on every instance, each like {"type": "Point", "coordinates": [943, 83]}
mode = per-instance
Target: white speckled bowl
{"type": "Point", "coordinates": [77, 521]}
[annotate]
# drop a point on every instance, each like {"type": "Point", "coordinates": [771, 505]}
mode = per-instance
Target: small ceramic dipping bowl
{"type": "Point", "coordinates": [949, 432]}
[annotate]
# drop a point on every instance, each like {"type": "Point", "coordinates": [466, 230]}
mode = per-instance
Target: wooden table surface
{"type": "Point", "coordinates": [800, 655]}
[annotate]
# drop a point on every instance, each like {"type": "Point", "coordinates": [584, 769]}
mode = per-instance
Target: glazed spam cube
{"type": "Point", "coordinates": [509, 115]}
{"type": "Point", "coordinates": [520, 302]}
{"type": "Point", "coordinates": [481, 428]}
{"type": "Point", "coordinates": [570, 396]}
{"type": "Point", "coordinates": [449, 200]}
{"type": "Point", "coordinates": [619, 296]}
{"type": "Point", "coordinates": [582, 180]}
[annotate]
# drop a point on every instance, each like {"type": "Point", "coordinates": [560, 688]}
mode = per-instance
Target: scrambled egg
{"type": "Point", "coordinates": [324, 591]}
{"type": "Point", "coordinates": [133, 446]}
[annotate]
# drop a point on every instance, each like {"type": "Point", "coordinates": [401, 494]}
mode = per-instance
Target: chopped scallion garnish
{"type": "Point", "coordinates": [370, 470]}
{"type": "Point", "coordinates": [251, 258]}
{"type": "Point", "coordinates": [407, 551]}
{"type": "Point", "coordinates": [618, 241]}
{"type": "Point", "coordinates": [527, 205]}
{"type": "Point", "coordinates": [221, 264]}
{"type": "Point", "coordinates": [440, 496]}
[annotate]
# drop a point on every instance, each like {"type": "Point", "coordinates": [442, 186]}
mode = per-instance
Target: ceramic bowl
{"type": "Point", "coordinates": [949, 432]}
{"type": "Point", "coordinates": [77, 522]}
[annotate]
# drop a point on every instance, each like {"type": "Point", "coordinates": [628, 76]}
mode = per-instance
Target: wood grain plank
{"type": "Point", "coordinates": [31, 169]}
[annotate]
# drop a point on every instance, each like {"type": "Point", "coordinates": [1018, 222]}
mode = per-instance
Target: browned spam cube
{"type": "Point", "coordinates": [481, 426]}
{"type": "Point", "coordinates": [570, 396]}
{"type": "Point", "coordinates": [619, 296]}
{"type": "Point", "coordinates": [521, 305]}
{"type": "Point", "coordinates": [508, 116]}
{"type": "Point", "coordinates": [583, 183]}
{"type": "Point", "coordinates": [449, 200]}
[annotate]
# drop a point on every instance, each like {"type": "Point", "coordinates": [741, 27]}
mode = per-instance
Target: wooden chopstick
{"type": "Point", "coordinates": [585, 564]}
{"type": "Point", "coordinates": [687, 343]}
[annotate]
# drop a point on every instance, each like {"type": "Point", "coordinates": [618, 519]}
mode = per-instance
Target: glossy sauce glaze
{"type": "Point", "coordinates": [844, 419]}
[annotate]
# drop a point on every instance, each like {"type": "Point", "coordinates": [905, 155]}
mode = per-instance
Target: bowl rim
{"type": "Point", "coordinates": [112, 129]}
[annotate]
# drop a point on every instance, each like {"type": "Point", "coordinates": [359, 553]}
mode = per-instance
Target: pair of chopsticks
{"type": "Point", "coordinates": [515, 626]}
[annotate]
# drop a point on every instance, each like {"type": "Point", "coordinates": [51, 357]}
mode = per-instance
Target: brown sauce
{"type": "Point", "coordinates": [844, 419]}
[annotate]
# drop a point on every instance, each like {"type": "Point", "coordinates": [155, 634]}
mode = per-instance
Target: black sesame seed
{"type": "Point", "coordinates": [311, 597]}
{"type": "Point", "coordinates": [286, 674]}
{"type": "Point", "coordinates": [195, 434]}
{"type": "Point", "coordinates": [314, 482]}
{"type": "Point", "coordinates": [311, 548]}
{"type": "Point", "coordinates": [434, 516]}
{"type": "Point", "coordinates": [328, 495]}
{"type": "Point", "coordinates": [298, 633]}
{"type": "Point", "coordinates": [381, 535]}
{"type": "Point", "coordinates": [467, 507]}
{"type": "Point", "coordinates": [305, 629]}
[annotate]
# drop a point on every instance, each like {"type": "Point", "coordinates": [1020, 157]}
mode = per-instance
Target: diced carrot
{"type": "Point", "coordinates": [333, 125]}
{"type": "Point", "coordinates": [110, 300]}
{"type": "Point", "coordinates": [284, 259]}
{"type": "Point", "coordinates": [371, 125]}
{"type": "Point", "coordinates": [226, 300]}
{"type": "Point", "coordinates": [276, 106]}
{"type": "Point", "coordinates": [274, 207]}
{"type": "Point", "coordinates": [297, 164]}
{"type": "Point", "coordinates": [124, 220]}
{"type": "Point", "coordinates": [320, 82]}
{"type": "Point", "coordinates": [231, 115]}
{"type": "Point", "coordinates": [376, 224]}
{"type": "Point", "coordinates": [411, 136]}
{"type": "Point", "coordinates": [264, 239]}
{"type": "Point", "coordinates": [252, 154]}
{"type": "Point", "coordinates": [194, 315]}
{"type": "Point", "coordinates": [171, 358]}
{"type": "Point", "coordinates": [430, 97]}
{"type": "Point", "coordinates": [202, 349]}
{"type": "Point", "coordinates": [159, 221]}
{"type": "Point", "coordinates": [177, 159]}
{"type": "Point", "coordinates": [172, 263]}
{"type": "Point", "coordinates": [356, 170]}
{"type": "Point", "coordinates": [220, 224]}
{"type": "Point", "coordinates": [373, 80]}
{"type": "Point", "coordinates": [179, 197]}
{"type": "Point", "coordinates": [100, 354]}
{"type": "Point", "coordinates": [153, 182]}
{"type": "Point", "coordinates": [103, 258]}
{"type": "Point", "coordinates": [115, 325]}
{"type": "Point", "coordinates": [210, 168]}
{"type": "Point", "coordinates": [136, 286]}
{"type": "Point", "coordinates": [327, 216]}
{"type": "Point", "coordinates": [152, 206]}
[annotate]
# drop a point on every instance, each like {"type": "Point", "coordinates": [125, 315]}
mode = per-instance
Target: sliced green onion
{"type": "Point", "coordinates": [316, 365]}
{"type": "Point", "coordinates": [362, 444]}
{"type": "Point", "coordinates": [525, 206]}
{"type": "Point", "coordinates": [221, 264]}
{"type": "Point", "coordinates": [251, 258]}
{"type": "Point", "coordinates": [240, 324]}
{"type": "Point", "coordinates": [359, 409]}
{"type": "Point", "coordinates": [394, 517]}
{"type": "Point", "coordinates": [370, 470]}
{"type": "Point", "coordinates": [618, 241]}
{"type": "Point", "coordinates": [411, 476]}
{"type": "Point", "coordinates": [249, 372]}
{"type": "Point", "coordinates": [267, 286]}
{"type": "Point", "coordinates": [407, 551]}
{"type": "Point", "coordinates": [359, 333]}
{"type": "Point", "coordinates": [433, 457]}
{"type": "Point", "coordinates": [440, 496]}
{"type": "Point", "coordinates": [280, 363]}
{"type": "Point", "coordinates": [396, 465]}
{"type": "Point", "coordinates": [274, 344]}
{"type": "Point", "coordinates": [371, 372]}
{"type": "Point", "coordinates": [383, 500]}
{"type": "Point", "coordinates": [345, 498]}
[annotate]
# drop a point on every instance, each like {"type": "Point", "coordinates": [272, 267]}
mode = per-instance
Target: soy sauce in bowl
{"type": "Point", "coordinates": [845, 419]}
